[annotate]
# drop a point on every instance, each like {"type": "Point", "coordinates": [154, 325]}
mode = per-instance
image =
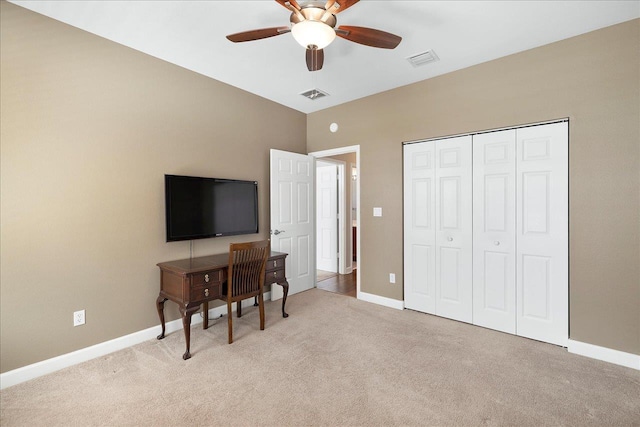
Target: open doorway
{"type": "Point", "coordinates": [337, 207]}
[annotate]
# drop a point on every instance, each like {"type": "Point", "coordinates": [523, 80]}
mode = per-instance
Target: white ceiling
{"type": "Point", "coordinates": [462, 33]}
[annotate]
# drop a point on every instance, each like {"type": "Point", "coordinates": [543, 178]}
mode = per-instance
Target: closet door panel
{"type": "Point", "coordinates": [542, 233]}
{"type": "Point", "coordinates": [419, 227]}
{"type": "Point", "coordinates": [454, 228]}
{"type": "Point", "coordinates": [494, 227]}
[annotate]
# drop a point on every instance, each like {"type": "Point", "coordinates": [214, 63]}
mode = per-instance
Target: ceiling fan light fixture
{"type": "Point", "coordinates": [313, 33]}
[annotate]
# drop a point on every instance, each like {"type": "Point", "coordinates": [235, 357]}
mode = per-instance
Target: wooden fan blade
{"type": "Point", "coordinates": [263, 33]}
{"type": "Point", "coordinates": [315, 59]}
{"type": "Point", "coordinates": [369, 36]}
{"type": "Point", "coordinates": [293, 3]}
{"type": "Point", "coordinates": [337, 6]}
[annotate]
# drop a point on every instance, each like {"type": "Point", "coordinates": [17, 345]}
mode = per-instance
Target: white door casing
{"type": "Point", "coordinates": [292, 222]}
{"type": "Point", "coordinates": [454, 267]}
{"type": "Point", "coordinates": [542, 227]}
{"type": "Point", "coordinates": [419, 227]}
{"type": "Point", "coordinates": [326, 216]}
{"type": "Point", "coordinates": [494, 230]}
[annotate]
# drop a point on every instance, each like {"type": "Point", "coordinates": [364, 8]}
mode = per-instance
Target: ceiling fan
{"type": "Point", "coordinates": [313, 25]}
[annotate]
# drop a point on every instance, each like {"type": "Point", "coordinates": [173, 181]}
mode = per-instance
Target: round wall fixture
{"type": "Point", "coordinates": [333, 127]}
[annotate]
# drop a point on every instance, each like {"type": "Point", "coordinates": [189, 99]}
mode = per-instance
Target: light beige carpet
{"type": "Point", "coordinates": [334, 361]}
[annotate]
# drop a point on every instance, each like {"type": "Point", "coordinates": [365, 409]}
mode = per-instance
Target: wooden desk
{"type": "Point", "coordinates": [196, 281]}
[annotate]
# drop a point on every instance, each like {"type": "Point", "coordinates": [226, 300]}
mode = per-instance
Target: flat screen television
{"type": "Point", "coordinates": [198, 208]}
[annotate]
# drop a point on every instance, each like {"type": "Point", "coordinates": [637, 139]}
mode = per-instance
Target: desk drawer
{"type": "Point", "coordinates": [274, 276]}
{"type": "Point", "coordinates": [205, 293]}
{"type": "Point", "coordinates": [207, 278]}
{"type": "Point", "coordinates": [273, 264]}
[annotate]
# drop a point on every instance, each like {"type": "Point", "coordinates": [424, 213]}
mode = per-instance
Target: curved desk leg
{"type": "Point", "coordinates": [187, 312]}
{"type": "Point", "coordinates": [160, 306]}
{"type": "Point", "coordinates": [285, 291]}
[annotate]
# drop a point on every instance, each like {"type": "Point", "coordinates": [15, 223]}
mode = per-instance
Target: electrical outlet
{"type": "Point", "coordinates": [78, 318]}
{"type": "Point", "coordinates": [392, 278]}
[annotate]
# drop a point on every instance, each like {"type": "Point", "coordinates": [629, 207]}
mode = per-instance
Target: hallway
{"type": "Point", "coordinates": [344, 284]}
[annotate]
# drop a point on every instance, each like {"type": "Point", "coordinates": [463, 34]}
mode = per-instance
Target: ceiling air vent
{"type": "Point", "coordinates": [314, 94]}
{"type": "Point", "coordinates": [423, 58]}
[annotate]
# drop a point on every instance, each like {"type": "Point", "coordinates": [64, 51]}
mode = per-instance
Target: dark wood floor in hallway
{"type": "Point", "coordinates": [344, 284]}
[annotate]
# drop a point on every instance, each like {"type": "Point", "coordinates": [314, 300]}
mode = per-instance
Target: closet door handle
{"type": "Point", "coordinates": [450, 239]}
{"type": "Point", "coordinates": [497, 243]}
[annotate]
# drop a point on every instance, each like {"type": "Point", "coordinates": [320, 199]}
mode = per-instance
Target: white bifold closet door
{"type": "Point", "coordinates": [486, 230]}
{"type": "Point", "coordinates": [542, 232]}
{"type": "Point", "coordinates": [494, 230]}
{"type": "Point", "coordinates": [438, 227]}
{"type": "Point", "coordinates": [520, 231]}
{"type": "Point", "coordinates": [419, 227]}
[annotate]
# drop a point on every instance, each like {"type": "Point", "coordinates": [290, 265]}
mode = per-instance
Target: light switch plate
{"type": "Point", "coordinates": [377, 211]}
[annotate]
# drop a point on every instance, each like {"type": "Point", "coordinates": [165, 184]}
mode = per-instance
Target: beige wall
{"type": "Point", "coordinates": [88, 129]}
{"type": "Point", "coordinates": [594, 80]}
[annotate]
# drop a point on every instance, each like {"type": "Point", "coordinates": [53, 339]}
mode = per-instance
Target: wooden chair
{"type": "Point", "coordinates": [245, 279]}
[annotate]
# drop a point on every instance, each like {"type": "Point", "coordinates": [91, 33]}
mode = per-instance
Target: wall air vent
{"type": "Point", "coordinates": [314, 94]}
{"type": "Point", "coordinates": [423, 58]}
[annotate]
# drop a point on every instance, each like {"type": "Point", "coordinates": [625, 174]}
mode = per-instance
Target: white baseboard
{"type": "Point", "coordinates": [605, 354]}
{"type": "Point", "coordinates": [48, 366]}
{"type": "Point", "coordinates": [376, 299]}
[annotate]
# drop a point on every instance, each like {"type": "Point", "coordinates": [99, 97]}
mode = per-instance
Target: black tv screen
{"type": "Point", "coordinates": [197, 208]}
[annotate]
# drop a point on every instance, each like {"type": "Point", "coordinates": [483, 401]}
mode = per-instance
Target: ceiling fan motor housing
{"type": "Point", "coordinates": [313, 13]}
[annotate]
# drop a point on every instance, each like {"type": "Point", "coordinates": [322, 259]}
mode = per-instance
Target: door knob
{"type": "Point", "coordinates": [276, 232]}
{"type": "Point", "coordinates": [497, 243]}
{"type": "Point", "coordinates": [450, 239]}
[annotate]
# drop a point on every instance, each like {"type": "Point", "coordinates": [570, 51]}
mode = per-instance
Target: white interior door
{"type": "Point", "coordinates": [292, 231]}
{"type": "Point", "coordinates": [542, 232]}
{"type": "Point", "coordinates": [326, 216]}
{"type": "Point", "coordinates": [454, 268]}
{"type": "Point", "coordinates": [494, 230]}
{"type": "Point", "coordinates": [419, 227]}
